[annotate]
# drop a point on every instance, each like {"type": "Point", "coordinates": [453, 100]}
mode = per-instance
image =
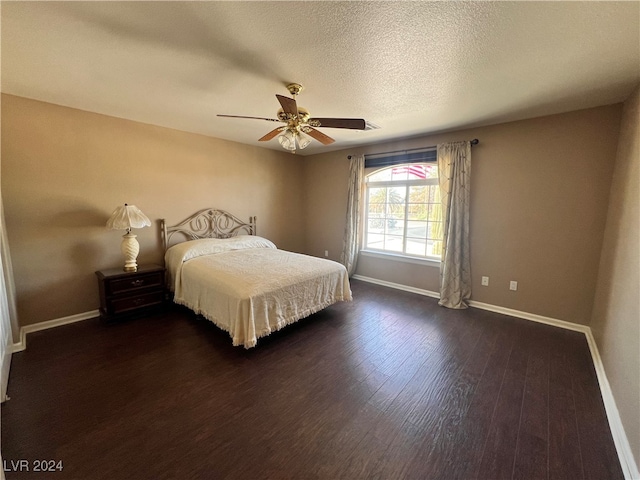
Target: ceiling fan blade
{"type": "Point", "coordinates": [254, 118]}
{"type": "Point", "coordinates": [318, 135]}
{"type": "Point", "coordinates": [351, 123]}
{"type": "Point", "coordinates": [271, 134]}
{"type": "Point", "coordinates": [288, 104]}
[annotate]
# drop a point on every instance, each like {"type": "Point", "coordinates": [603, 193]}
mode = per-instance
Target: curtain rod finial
{"type": "Point", "coordinates": [475, 141]}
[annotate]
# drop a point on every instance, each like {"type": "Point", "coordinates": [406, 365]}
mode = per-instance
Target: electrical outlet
{"type": "Point", "coordinates": [326, 253]}
{"type": "Point", "coordinates": [513, 285]}
{"type": "Point", "coordinates": [485, 281]}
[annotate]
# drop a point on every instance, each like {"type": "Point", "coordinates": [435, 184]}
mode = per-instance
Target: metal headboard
{"type": "Point", "coordinates": [208, 223]}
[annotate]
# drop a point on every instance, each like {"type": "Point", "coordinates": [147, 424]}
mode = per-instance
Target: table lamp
{"type": "Point", "coordinates": [125, 218]}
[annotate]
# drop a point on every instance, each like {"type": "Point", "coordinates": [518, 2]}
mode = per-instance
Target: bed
{"type": "Point", "coordinates": [242, 282]}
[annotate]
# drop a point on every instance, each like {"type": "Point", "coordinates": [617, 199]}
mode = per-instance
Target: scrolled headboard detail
{"type": "Point", "coordinates": [208, 223]}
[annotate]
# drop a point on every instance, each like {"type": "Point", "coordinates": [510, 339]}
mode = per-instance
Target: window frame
{"type": "Point", "coordinates": [407, 184]}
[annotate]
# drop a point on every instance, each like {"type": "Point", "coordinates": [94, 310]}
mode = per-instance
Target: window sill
{"type": "Point", "coordinates": [401, 258]}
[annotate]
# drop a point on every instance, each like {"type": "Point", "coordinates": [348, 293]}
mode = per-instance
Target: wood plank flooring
{"type": "Point", "coordinates": [389, 386]}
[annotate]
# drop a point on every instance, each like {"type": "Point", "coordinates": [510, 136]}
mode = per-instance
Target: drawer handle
{"type": "Point", "coordinates": [137, 283]}
{"type": "Point", "coordinates": [138, 301]}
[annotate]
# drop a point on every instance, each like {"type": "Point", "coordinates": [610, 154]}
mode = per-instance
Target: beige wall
{"type": "Point", "coordinates": [616, 311]}
{"type": "Point", "coordinates": [65, 170]}
{"type": "Point", "coordinates": [540, 191]}
{"type": "Point", "coordinates": [540, 200]}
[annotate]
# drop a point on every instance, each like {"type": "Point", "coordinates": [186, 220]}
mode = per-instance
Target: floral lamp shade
{"type": "Point", "coordinates": [127, 217]}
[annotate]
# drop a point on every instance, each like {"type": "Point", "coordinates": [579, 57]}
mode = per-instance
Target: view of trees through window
{"type": "Point", "coordinates": [403, 213]}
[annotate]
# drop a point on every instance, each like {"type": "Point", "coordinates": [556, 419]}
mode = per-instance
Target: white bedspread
{"type": "Point", "coordinates": [251, 292]}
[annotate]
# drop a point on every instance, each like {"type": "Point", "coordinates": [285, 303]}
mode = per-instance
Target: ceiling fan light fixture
{"type": "Point", "coordinates": [287, 140]}
{"type": "Point", "coordinates": [303, 140]}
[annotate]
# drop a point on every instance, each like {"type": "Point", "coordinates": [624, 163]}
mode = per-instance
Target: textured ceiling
{"type": "Point", "coordinates": [409, 67]}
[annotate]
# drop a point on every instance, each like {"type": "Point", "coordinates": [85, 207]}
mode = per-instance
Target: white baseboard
{"type": "Point", "coordinates": [534, 317]}
{"type": "Point", "coordinates": [57, 322]}
{"type": "Point", "coordinates": [398, 286]}
{"type": "Point", "coordinates": [625, 454]}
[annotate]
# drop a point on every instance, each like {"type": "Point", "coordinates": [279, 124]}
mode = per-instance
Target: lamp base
{"type": "Point", "coordinates": [130, 249]}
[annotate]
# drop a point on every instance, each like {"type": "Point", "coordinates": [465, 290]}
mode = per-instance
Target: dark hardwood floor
{"type": "Point", "coordinates": [388, 386]}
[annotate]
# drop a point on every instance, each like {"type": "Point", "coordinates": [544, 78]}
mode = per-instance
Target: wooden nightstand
{"type": "Point", "coordinates": [125, 293]}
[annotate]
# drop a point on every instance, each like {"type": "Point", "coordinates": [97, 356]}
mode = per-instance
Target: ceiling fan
{"type": "Point", "coordinates": [299, 126]}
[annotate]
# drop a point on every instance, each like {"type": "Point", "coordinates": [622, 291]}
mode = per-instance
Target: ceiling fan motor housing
{"type": "Point", "coordinates": [302, 117]}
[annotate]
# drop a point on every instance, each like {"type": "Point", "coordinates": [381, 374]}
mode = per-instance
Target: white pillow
{"type": "Point", "coordinates": [184, 251]}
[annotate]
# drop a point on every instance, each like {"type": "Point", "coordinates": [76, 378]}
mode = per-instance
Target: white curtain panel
{"type": "Point", "coordinates": [454, 171]}
{"type": "Point", "coordinates": [353, 227]}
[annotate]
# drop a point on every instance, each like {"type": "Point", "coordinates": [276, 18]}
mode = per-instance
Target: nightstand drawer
{"type": "Point", "coordinates": [139, 281]}
{"type": "Point", "coordinates": [123, 294]}
{"type": "Point", "coordinates": [124, 304]}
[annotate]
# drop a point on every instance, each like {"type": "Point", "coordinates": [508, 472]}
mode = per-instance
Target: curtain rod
{"type": "Point", "coordinates": [473, 142]}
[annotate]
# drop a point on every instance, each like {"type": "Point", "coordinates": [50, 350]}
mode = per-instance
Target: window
{"type": "Point", "coordinates": [403, 214]}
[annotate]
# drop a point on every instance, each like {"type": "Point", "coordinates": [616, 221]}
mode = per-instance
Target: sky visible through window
{"type": "Point", "coordinates": [404, 215]}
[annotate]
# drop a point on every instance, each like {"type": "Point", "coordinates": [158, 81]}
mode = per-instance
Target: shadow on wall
{"type": "Point", "coordinates": [83, 252]}
{"type": "Point", "coordinates": [88, 226]}
{"type": "Point", "coordinates": [43, 303]}
{"type": "Point", "coordinates": [80, 218]}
